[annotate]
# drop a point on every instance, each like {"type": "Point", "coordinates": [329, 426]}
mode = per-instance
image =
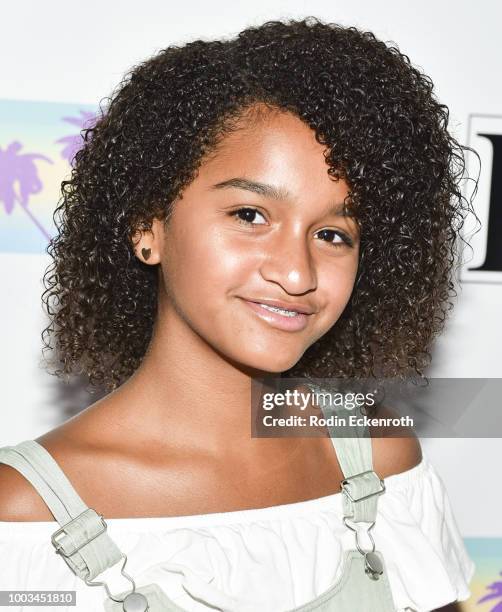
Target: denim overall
{"type": "Point", "coordinates": [88, 550]}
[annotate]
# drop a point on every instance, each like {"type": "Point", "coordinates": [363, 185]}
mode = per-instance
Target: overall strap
{"type": "Point", "coordinates": [82, 540]}
{"type": "Point", "coordinates": [361, 485]}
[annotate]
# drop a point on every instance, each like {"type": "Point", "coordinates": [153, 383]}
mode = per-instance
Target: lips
{"type": "Point", "coordinates": [285, 321]}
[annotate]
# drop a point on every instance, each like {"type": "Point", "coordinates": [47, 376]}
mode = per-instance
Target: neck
{"type": "Point", "coordinates": [186, 394]}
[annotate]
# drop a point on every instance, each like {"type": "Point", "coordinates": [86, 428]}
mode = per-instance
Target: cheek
{"type": "Point", "coordinates": [336, 289]}
{"type": "Point", "coordinates": [209, 265]}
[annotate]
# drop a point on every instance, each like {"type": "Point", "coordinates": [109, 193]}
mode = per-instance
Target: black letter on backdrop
{"type": "Point", "coordinates": [493, 258]}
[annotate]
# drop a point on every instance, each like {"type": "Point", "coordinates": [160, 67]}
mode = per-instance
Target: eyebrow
{"type": "Point", "coordinates": [275, 193]}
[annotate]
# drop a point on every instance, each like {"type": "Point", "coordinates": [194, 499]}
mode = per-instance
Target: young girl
{"type": "Point", "coordinates": [284, 203]}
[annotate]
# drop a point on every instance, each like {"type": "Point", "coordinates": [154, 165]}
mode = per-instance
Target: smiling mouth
{"type": "Point", "coordinates": [279, 317]}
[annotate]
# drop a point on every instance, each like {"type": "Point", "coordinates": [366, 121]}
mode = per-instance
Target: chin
{"type": "Point", "coordinates": [261, 357]}
{"type": "Point", "coordinates": [270, 365]}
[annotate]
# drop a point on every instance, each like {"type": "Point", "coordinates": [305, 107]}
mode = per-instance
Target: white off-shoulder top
{"type": "Point", "coordinates": [263, 559]}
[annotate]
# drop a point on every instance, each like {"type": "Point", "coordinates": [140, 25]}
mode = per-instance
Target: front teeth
{"type": "Point", "coordinates": [286, 313]}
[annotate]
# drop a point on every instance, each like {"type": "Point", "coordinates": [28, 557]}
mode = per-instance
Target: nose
{"type": "Point", "coordinates": [288, 262]}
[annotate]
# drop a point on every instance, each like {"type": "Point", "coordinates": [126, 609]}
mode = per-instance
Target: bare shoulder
{"type": "Point", "coordinates": [398, 453]}
{"type": "Point", "coordinates": [19, 500]}
{"type": "Point", "coordinates": [395, 455]}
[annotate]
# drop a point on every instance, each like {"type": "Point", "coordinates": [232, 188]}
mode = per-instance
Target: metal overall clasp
{"type": "Point", "coordinates": [132, 602]}
{"type": "Point", "coordinates": [373, 565]}
{"type": "Point", "coordinates": [64, 540]}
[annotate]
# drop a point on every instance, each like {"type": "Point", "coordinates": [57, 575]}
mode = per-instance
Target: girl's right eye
{"type": "Point", "coordinates": [247, 215]}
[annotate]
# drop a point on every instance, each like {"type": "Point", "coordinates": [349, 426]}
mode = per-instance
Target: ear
{"type": "Point", "coordinates": [148, 242]}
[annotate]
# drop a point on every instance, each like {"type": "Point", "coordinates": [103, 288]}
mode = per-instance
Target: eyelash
{"type": "Point", "coordinates": [346, 240]}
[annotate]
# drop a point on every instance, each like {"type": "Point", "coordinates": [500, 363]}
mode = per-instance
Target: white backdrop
{"type": "Point", "coordinates": [68, 52]}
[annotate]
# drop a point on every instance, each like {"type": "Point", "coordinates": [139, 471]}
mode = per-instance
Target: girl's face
{"type": "Point", "coordinates": [261, 225]}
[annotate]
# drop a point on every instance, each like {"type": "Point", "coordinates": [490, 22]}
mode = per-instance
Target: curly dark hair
{"type": "Point", "coordinates": [385, 134]}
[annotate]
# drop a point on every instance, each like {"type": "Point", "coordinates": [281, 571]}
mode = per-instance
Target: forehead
{"type": "Point", "coordinates": [276, 147]}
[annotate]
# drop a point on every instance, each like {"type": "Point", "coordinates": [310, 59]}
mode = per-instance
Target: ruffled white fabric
{"type": "Point", "coordinates": [265, 559]}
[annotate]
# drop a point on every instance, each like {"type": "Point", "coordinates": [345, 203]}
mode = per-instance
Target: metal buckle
{"type": "Point", "coordinates": [101, 583]}
{"type": "Point", "coordinates": [346, 481]}
{"type": "Point", "coordinates": [60, 547]}
{"type": "Point", "coordinates": [356, 531]}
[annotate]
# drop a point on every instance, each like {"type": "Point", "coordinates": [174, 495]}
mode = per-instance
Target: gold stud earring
{"type": "Point", "coordinates": [146, 253]}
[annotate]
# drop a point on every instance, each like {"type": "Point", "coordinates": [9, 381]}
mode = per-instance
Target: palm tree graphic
{"type": "Point", "coordinates": [73, 142]}
{"type": "Point", "coordinates": [19, 169]}
{"type": "Point", "coordinates": [496, 593]}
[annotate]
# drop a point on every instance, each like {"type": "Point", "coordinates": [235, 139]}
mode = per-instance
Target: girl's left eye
{"type": "Point", "coordinates": [247, 215]}
{"type": "Point", "coordinates": [329, 234]}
